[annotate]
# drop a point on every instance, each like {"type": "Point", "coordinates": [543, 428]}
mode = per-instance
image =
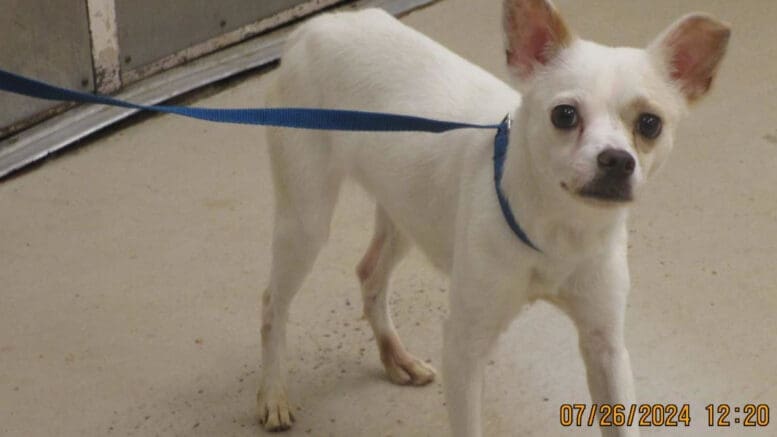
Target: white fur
{"type": "Point", "coordinates": [436, 191]}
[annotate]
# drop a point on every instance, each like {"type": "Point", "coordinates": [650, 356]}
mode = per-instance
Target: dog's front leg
{"type": "Point", "coordinates": [477, 316]}
{"type": "Point", "coordinates": [595, 298]}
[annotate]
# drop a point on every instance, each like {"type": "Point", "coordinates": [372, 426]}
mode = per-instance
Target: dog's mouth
{"type": "Point", "coordinates": [605, 190]}
{"type": "Point", "coordinates": [608, 189]}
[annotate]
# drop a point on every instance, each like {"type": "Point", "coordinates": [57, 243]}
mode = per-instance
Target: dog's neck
{"type": "Point", "coordinates": [554, 220]}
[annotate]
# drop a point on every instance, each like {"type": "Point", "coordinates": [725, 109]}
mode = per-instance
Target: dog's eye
{"type": "Point", "coordinates": [564, 117]}
{"type": "Point", "coordinates": [649, 126]}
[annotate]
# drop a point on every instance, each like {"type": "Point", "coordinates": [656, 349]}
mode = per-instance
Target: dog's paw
{"type": "Point", "coordinates": [274, 411]}
{"type": "Point", "coordinates": [410, 371]}
{"type": "Point", "coordinates": [401, 367]}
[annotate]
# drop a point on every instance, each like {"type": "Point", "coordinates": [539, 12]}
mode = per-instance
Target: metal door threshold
{"type": "Point", "coordinates": [75, 124]}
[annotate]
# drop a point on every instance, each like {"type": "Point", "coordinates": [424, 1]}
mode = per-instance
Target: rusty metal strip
{"type": "Point", "coordinates": [105, 45]}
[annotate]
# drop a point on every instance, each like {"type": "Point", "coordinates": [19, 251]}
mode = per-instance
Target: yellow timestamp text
{"type": "Point", "coordinates": [658, 415]}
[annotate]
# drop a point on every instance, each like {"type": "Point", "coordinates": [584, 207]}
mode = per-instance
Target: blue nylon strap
{"type": "Point", "coordinates": [302, 118]}
{"type": "Point", "coordinates": [501, 142]}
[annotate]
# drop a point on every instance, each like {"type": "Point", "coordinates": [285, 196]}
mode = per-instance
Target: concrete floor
{"type": "Point", "coordinates": [132, 269]}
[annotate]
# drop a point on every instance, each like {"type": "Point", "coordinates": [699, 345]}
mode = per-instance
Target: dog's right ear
{"type": "Point", "coordinates": [534, 34]}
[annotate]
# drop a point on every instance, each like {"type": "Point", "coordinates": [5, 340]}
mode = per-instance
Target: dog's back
{"type": "Point", "coordinates": [369, 60]}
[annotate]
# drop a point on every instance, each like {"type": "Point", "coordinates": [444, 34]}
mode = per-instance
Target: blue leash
{"type": "Point", "coordinates": [301, 118]}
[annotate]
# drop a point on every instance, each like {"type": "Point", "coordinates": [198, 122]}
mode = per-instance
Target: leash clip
{"type": "Point", "coordinates": [508, 120]}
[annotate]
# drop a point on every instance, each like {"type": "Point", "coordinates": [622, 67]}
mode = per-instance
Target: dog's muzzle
{"type": "Point", "coordinates": [613, 179]}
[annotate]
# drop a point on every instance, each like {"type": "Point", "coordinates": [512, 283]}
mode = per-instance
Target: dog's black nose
{"type": "Point", "coordinates": [616, 163]}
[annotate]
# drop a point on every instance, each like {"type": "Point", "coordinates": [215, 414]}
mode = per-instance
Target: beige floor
{"type": "Point", "coordinates": [132, 268]}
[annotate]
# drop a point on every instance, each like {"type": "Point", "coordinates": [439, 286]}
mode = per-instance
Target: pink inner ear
{"type": "Point", "coordinates": [534, 50]}
{"type": "Point", "coordinates": [682, 64]}
{"type": "Point", "coordinates": [537, 45]}
{"type": "Point", "coordinates": [688, 69]}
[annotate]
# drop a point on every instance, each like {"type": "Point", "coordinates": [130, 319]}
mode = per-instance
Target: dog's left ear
{"type": "Point", "coordinates": [534, 34]}
{"type": "Point", "coordinates": [691, 50]}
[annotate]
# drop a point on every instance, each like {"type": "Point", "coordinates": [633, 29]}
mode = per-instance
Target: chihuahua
{"type": "Point", "coordinates": [591, 125]}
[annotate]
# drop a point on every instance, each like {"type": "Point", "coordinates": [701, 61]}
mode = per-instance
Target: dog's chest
{"type": "Point", "coordinates": [546, 278]}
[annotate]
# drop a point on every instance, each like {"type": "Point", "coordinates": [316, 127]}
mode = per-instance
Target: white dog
{"type": "Point", "coordinates": [593, 123]}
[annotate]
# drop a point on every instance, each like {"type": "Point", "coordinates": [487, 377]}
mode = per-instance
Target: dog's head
{"type": "Point", "coordinates": [599, 120]}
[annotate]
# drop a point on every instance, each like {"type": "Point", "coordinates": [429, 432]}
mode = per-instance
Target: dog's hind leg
{"type": "Point", "coordinates": [306, 187]}
{"type": "Point", "coordinates": [387, 248]}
